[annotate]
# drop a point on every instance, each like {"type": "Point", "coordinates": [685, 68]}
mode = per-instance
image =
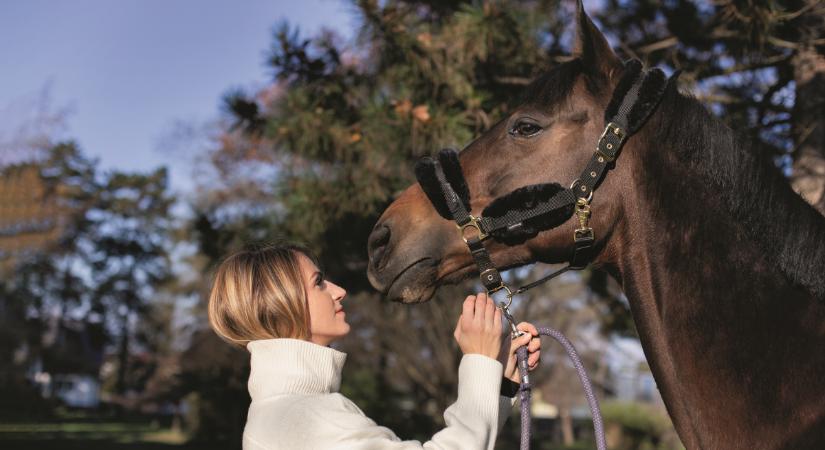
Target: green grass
{"type": "Point", "coordinates": [7, 429]}
{"type": "Point", "coordinates": [94, 434]}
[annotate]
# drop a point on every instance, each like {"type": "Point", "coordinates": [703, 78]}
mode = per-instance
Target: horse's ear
{"type": "Point", "coordinates": [592, 48]}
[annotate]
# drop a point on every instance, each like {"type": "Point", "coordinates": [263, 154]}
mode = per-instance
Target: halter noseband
{"type": "Point", "coordinates": [524, 212]}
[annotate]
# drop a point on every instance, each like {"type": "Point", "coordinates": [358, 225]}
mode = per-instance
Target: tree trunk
{"type": "Point", "coordinates": [808, 177]}
{"type": "Point", "coordinates": [566, 421]}
{"type": "Point", "coordinates": [123, 356]}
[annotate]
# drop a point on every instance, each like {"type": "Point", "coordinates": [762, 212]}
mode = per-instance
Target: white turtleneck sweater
{"type": "Point", "coordinates": [296, 405]}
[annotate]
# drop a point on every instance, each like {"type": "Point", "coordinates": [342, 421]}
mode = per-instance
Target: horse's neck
{"type": "Point", "coordinates": [721, 324]}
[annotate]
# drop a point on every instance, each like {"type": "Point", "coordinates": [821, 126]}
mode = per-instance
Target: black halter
{"type": "Point", "coordinates": [524, 212]}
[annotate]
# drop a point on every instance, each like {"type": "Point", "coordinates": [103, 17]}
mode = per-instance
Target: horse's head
{"type": "Point", "coordinates": [548, 138]}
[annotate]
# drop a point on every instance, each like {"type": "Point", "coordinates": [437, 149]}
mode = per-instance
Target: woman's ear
{"type": "Point", "coordinates": [599, 61]}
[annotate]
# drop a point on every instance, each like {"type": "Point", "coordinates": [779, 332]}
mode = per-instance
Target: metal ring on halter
{"type": "Point", "coordinates": [473, 223]}
{"type": "Point", "coordinates": [578, 180]}
{"type": "Point", "coordinates": [514, 331]}
{"type": "Point", "coordinates": [509, 293]}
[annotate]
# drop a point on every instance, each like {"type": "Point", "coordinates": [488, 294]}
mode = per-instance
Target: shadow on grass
{"type": "Point", "coordinates": [93, 434]}
{"type": "Point", "coordinates": [76, 444]}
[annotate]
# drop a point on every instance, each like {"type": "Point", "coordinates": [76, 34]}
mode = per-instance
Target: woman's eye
{"type": "Point", "coordinates": [525, 129]}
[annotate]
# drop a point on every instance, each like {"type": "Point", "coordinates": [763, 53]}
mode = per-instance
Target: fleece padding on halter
{"type": "Point", "coordinates": [448, 158]}
{"type": "Point", "coordinates": [527, 198]}
{"type": "Point", "coordinates": [425, 173]}
{"type": "Point", "coordinates": [632, 69]}
{"type": "Point", "coordinates": [650, 93]}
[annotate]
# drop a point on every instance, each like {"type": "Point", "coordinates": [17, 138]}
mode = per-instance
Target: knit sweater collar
{"type": "Point", "coordinates": [293, 366]}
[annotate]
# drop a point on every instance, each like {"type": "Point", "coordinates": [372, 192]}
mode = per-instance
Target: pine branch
{"type": "Point", "coordinates": [512, 81]}
{"type": "Point", "coordinates": [715, 71]}
{"type": "Point", "coordinates": [661, 44]}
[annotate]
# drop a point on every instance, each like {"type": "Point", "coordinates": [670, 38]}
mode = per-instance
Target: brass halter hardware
{"type": "Point", "coordinates": [618, 131]}
{"type": "Point", "coordinates": [510, 294]}
{"type": "Point", "coordinates": [472, 224]}
{"type": "Point", "coordinates": [583, 214]}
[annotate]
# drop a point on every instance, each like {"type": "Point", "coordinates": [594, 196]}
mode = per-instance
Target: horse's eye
{"type": "Point", "coordinates": [525, 129]}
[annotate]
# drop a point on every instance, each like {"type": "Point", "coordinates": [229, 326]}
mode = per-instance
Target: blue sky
{"type": "Point", "coordinates": [129, 70]}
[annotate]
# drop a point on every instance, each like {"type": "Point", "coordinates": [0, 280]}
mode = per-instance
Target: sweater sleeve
{"type": "Point", "coordinates": [472, 421]}
{"type": "Point", "coordinates": [505, 409]}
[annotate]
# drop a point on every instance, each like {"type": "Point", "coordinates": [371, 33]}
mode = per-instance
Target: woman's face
{"type": "Point", "coordinates": [327, 320]}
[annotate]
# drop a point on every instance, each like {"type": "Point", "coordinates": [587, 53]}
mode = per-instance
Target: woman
{"type": "Point", "coordinates": [274, 300]}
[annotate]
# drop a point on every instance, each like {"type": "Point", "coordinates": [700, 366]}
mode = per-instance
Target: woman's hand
{"type": "Point", "coordinates": [509, 359]}
{"type": "Point", "coordinates": [479, 328]}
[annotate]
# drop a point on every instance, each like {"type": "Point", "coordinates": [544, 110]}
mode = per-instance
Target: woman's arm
{"type": "Point", "coordinates": [480, 412]}
{"type": "Point", "coordinates": [472, 421]}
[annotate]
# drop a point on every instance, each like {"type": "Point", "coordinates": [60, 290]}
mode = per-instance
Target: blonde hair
{"type": "Point", "coordinates": [258, 293]}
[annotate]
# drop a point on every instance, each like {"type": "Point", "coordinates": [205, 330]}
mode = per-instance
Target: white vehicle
{"type": "Point", "coordinates": [76, 391]}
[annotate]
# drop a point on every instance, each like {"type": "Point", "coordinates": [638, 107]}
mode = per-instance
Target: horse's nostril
{"type": "Point", "coordinates": [377, 244]}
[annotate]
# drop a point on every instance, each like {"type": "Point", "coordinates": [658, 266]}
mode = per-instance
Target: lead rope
{"type": "Point", "coordinates": [525, 391]}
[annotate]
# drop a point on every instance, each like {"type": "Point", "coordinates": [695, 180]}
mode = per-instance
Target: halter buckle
{"type": "Point", "coordinates": [473, 223]}
{"type": "Point", "coordinates": [615, 129]}
{"type": "Point", "coordinates": [610, 128]}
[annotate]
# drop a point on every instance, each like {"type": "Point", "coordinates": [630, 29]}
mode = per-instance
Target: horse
{"type": "Point", "coordinates": [722, 263]}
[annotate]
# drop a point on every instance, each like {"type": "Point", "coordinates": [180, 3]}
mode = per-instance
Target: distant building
{"type": "Point", "coordinates": [69, 367]}
{"type": "Point", "coordinates": [73, 390]}
{"type": "Point", "coordinates": [30, 215]}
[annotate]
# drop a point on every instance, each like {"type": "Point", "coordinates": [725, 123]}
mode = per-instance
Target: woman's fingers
{"type": "Point", "coordinates": [480, 308]}
{"type": "Point", "coordinates": [476, 332]}
{"type": "Point", "coordinates": [535, 344]}
{"type": "Point", "coordinates": [520, 341]}
{"type": "Point", "coordinates": [528, 328]}
{"type": "Point", "coordinates": [533, 360]}
{"type": "Point", "coordinates": [490, 313]}
{"type": "Point", "coordinates": [469, 306]}
{"type": "Point", "coordinates": [468, 311]}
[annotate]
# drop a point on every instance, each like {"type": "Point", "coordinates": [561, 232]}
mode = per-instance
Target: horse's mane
{"type": "Point", "coordinates": [790, 232]}
{"type": "Point", "coordinates": [753, 191]}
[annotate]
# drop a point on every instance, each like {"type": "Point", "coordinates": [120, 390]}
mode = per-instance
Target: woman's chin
{"type": "Point", "coordinates": [343, 330]}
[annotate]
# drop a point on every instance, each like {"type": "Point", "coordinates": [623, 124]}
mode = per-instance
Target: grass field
{"type": "Point", "coordinates": [81, 432]}
{"type": "Point", "coordinates": [93, 434]}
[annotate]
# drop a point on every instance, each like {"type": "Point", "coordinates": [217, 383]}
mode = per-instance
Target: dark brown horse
{"type": "Point", "coordinates": [723, 264]}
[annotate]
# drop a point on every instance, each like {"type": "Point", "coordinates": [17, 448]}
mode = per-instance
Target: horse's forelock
{"type": "Point", "coordinates": [553, 87]}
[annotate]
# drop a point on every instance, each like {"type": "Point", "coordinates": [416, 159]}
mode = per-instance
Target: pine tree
{"type": "Point", "coordinates": [97, 266]}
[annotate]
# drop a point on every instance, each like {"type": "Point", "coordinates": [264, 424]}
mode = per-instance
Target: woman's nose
{"type": "Point", "coordinates": [341, 293]}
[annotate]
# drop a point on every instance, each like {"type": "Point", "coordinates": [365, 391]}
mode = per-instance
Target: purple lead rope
{"type": "Point", "coordinates": [525, 390]}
